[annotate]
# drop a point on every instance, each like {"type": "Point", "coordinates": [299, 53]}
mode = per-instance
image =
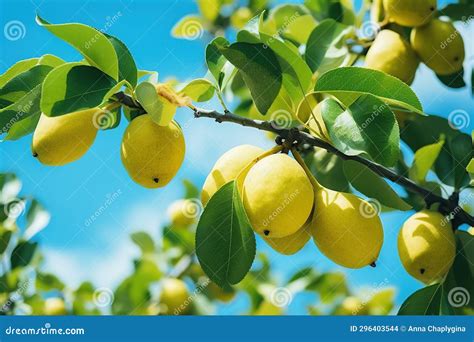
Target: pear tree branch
{"type": "Point", "coordinates": [295, 137]}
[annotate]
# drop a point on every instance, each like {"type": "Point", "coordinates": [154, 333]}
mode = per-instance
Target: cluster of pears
{"type": "Point", "coordinates": [435, 42]}
{"type": "Point", "coordinates": [152, 154]}
{"type": "Point", "coordinates": [286, 206]}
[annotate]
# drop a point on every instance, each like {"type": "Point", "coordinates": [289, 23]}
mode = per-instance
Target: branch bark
{"type": "Point", "coordinates": [446, 206]}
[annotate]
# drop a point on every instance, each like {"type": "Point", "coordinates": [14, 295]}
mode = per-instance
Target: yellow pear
{"type": "Point", "coordinates": [54, 307]}
{"type": "Point", "coordinates": [377, 12]}
{"type": "Point", "coordinates": [426, 246]}
{"type": "Point", "coordinates": [391, 54]}
{"type": "Point", "coordinates": [227, 168]}
{"type": "Point", "coordinates": [291, 244]}
{"type": "Point", "coordinates": [471, 230]}
{"type": "Point", "coordinates": [63, 139]}
{"type": "Point", "coordinates": [352, 306]}
{"type": "Point", "coordinates": [278, 196]}
{"type": "Point", "coordinates": [440, 46]}
{"type": "Point", "coordinates": [174, 297]}
{"type": "Point", "coordinates": [183, 212]}
{"type": "Point", "coordinates": [410, 13]}
{"type": "Point", "coordinates": [346, 229]}
{"type": "Point", "coordinates": [239, 18]}
{"type": "Point", "coordinates": [152, 154]}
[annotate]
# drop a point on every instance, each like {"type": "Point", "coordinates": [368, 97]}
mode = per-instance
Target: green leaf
{"type": "Point", "coordinates": [424, 160]}
{"type": "Point", "coordinates": [26, 109]}
{"type": "Point", "coordinates": [348, 83]}
{"type": "Point", "coordinates": [48, 282]}
{"type": "Point", "coordinates": [23, 83]}
{"type": "Point", "coordinates": [323, 9]}
{"type": "Point", "coordinates": [72, 87]}
{"type": "Point", "coordinates": [191, 190]}
{"type": "Point", "coordinates": [368, 126]}
{"type": "Point", "coordinates": [37, 219]}
{"type": "Point", "coordinates": [454, 81]}
{"type": "Point", "coordinates": [328, 169]}
{"type": "Point", "coordinates": [91, 43]}
{"type": "Point", "coordinates": [330, 286]}
{"type": "Point", "coordinates": [148, 97]}
{"type": "Point", "coordinates": [189, 27]}
{"type": "Point", "coordinates": [470, 166]}
{"type": "Point", "coordinates": [10, 187]}
{"type": "Point", "coordinates": [381, 302]}
{"type": "Point", "coordinates": [215, 59]}
{"type": "Point", "coordinates": [23, 254]}
{"type": "Point", "coordinates": [144, 241]}
{"type": "Point", "coordinates": [459, 283]}
{"type": "Point", "coordinates": [225, 242]}
{"type": "Point", "coordinates": [458, 12]}
{"type": "Point", "coordinates": [199, 90]}
{"type": "Point", "coordinates": [16, 69]}
{"type": "Point", "coordinates": [372, 185]}
{"type": "Point", "coordinates": [260, 70]}
{"type": "Point", "coordinates": [5, 237]}
{"type": "Point", "coordinates": [326, 35]}
{"type": "Point", "coordinates": [127, 67]}
{"type": "Point", "coordinates": [426, 301]}
{"type": "Point", "coordinates": [293, 65]}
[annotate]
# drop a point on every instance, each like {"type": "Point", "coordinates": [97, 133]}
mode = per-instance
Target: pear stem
{"type": "Point", "coordinates": [308, 172]}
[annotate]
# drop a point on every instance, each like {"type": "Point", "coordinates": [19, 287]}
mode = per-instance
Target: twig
{"type": "Point", "coordinates": [296, 136]}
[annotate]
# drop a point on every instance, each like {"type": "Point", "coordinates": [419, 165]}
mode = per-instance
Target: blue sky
{"type": "Point", "coordinates": [101, 251]}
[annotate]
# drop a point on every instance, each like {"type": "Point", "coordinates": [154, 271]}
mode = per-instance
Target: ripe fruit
{"type": "Point", "coordinates": [391, 54]}
{"type": "Point", "coordinates": [291, 244]}
{"type": "Point", "coordinates": [183, 213]}
{"type": "Point", "coordinates": [174, 297]}
{"type": "Point", "coordinates": [352, 306]}
{"type": "Point", "coordinates": [410, 12]}
{"type": "Point", "coordinates": [54, 307]}
{"type": "Point", "coordinates": [240, 17]}
{"type": "Point", "coordinates": [152, 154]}
{"type": "Point", "coordinates": [426, 246]}
{"type": "Point", "coordinates": [440, 46]}
{"type": "Point", "coordinates": [346, 229]}
{"type": "Point", "coordinates": [227, 168]}
{"type": "Point", "coordinates": [63, 139]}
{"type": "Point", "coordinates": [220, 294]}
{"type": "Point", "coordinates": [278, 196]}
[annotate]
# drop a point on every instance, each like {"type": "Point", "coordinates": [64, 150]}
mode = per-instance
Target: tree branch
{"type": "Point", "coordinates": [294, 135]}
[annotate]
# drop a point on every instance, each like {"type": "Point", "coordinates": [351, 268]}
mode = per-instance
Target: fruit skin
{"type": "Point", "coordinates": [174, 297]}
{"type": "Point", "coordinates": [426, 246]}
{"type": "Point", "coordinates": [183, 212]}
{"type": "Point", "coordinates": [346, 229]}
{"type": "Point", "coordinates": [227, 168]}
{"type": "Point", "coordinates": [152, 154]}
{"type": "Point", "coordinates": [54, 307]}
{"type": "Point", "coordinates": [291, 244]}
{"type": "Point", "coordinates": [410, 13]}
{"type": "Point", "coordinates": [352, 306]}
{"type": "Point", "coordinates": [278, 196]}
{"type": "Point", "coordinates": [440, 46]}
{"type": "Point", "coordinates": [63, 139]}
{"type": "Point", "coordinates": [219, 293]}
{"type": "Point", "coordinates": [391, 54]}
